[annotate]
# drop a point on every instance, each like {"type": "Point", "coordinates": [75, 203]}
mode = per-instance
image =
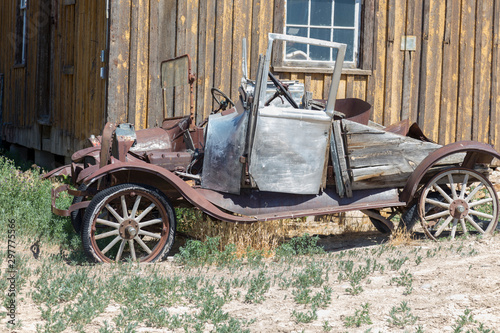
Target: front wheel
{"type": "Point", "coordinates": [468, 204]}
{"type": "Point", "coordinates": [128, 221]}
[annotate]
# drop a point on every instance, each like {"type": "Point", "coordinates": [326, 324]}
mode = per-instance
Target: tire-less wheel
{"type": "Point", "coordinates": [128, 221]}
{"type": "Point", "coordinates": [468, 204]}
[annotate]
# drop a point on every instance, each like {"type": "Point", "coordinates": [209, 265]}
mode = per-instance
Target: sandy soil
{"type": "Point", "coordinates": [448, 279]}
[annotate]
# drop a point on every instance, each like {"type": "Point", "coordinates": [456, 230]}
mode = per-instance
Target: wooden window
{"type": "Point", "coordinates": [332, 20]}
{"type": "Point", "coordinates": [21, 33]}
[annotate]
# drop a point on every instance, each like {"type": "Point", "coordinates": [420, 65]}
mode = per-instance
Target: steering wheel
{"type": "Point", "coordinates": [282, 90]}
{"type": "Point", "coordinates": [221, 99]}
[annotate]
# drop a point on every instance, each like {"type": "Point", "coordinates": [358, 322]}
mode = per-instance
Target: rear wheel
{"type": "Point", "coordinates": [128, 222]}
{"type": "Point", "coordinates": [469, 204]}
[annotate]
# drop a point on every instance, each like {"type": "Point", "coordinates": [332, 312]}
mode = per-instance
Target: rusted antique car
{"type": "Point", "coordinates": [274, 153]}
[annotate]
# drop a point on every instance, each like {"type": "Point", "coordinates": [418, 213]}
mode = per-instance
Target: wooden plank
{"type": "Point", "coordinates": [368, 26]}
{"type": "Point", "coordinates": [341, 92]}
{"type": "Point", "coordinates": [119, 57]}
{"type": "Point", "coordinates": [242, 18]}
{"type": "Point", "coordinates": [72, 87]}
{"type": "Point", "coordinates": [430, 84]}
{"type": "Point", "coordinates": [466, 70]}
{"type": "Point", "coordinates": [94, 70]}
{"type": "Point", "coordinates": [414, 28]}
{"type": "Point", "coordinates": [307, 83]}
{"type": "Point", "coordinates": [155, 105]}
{"type": "Point", "coordinates": [278, 27]}
{"type": "Point", "coordinates": [395, 63]}
{"type": "Point", "coordinates": [206, 53]}
{"type": "Point", "coordinates": [133, 61]}
{"type": "Point", "coordinates": [483, 55]}
{"type": "Point", "coordinates": [349, 93]}
{"type": "Point", "coordinates": [495, 84]}
{"type": "Point", "coordinates": [187, 40]}
{"type": "Point", "coordinates": [379, 69]}
{"type": "Point", "coordinates": [327, 81]}
{"type": "Point", "coordinates": [380, 158]}
{"type": "Point", "coordinates": [359, 87]}
{"type": "Point", "coordinates": [100, 84]}
{"type": "Point", "coordinates": [192, 48]}
{"type": "Point", "coordinates": [262, 24]}
{"type": "Point", "coordinates": [167, 42]}
{"type": "Point", "coordinates": [368, 46]}
{"type": "Point", "coordinates": [389, 63]}
{"type": "Point", "coordinates": [223, 53]}
{"type": "Point", "coordinates": [317, 85]}
{"type": "Point", "coordinates": [449, 93]}
{"type": "Point", "coordinates": [139, 67]}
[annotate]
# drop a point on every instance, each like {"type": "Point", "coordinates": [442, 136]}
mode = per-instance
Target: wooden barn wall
{"type": "Point", "coordinates": [146, 32]}
{"type": "Point", "coordinates": [57, 99]}
{"type": "Point", "coordinates": [77, 92]}
{"type": "Point", "coordinates": [449, 84]}
{"type": "Point", "coordinates": [19, 81]}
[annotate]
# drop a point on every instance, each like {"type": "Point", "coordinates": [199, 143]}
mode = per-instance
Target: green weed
{"type": "Point", "coordinates": [401, 316]}
{"type": "Point", "coordinates": [305, 317]}
{"type": "Point", "coordinates": [259, 285]}
{"type": "Point", "coordinates": [303, 245]}
{"type": "Point", "coordinates": [361, 317]}
{"type": "Point", "coordinates": [404, 280]}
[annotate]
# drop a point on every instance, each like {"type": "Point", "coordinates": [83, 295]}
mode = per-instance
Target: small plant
{"type": "Point", "coordinates": [304, 245]}
{"type": "Point", "coordinates": [323, 298]}
{"type": "Point", "coordinates": [396, 264]}
{"type": "Point", "coordinates": [401, 316]}
{"type": "Point", "coordinates": [305, 317]}
{"type": "Point", "coordinates": [361, 317]}
{"type": "Point", "coordinates": [197, 253]}
{"type": "Point", "coordinates": [467, 321]}
{"type": "Point", "coordinates": [404, 280]}
{"type": "Point", "coordinates": [311, 276]}
{"type": "Point", "coordinates": [326, 326]}
{"type": "Point", "coordinates": [418, 260]}
{"type": "Point", "coordinates": [259, 285]}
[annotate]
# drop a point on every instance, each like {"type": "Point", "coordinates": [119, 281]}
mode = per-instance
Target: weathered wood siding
{"type": "Point", "coordinates": [449, 84]}
{"type": "Point", "coordinates": [57, 98]}
{"type": "Point", "coordinates": [146, 32]}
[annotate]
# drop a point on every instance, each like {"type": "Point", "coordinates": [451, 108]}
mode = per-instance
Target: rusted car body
{"type": "Point", "coordinates": [274, 153]}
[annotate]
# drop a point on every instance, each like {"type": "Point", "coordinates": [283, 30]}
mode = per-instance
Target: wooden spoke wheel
{"type": "Point", "coordinates": [128, 222]}
{"type": "Point", "coordinates": [458, 201]}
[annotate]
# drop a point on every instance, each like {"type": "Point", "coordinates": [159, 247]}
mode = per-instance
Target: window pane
{"type": "Point", "coordinates": [318, 52]}
{"type": "Point", "coordinates": [321, 12]}
{"type": "Point", "coordinates": [297, 12]}
{"type": "Point", "coordinates": [344, 13]}
{"type": "Point", "coordinates": [296, 51]}
{"type": "Point", "coordinates": [345, 36]}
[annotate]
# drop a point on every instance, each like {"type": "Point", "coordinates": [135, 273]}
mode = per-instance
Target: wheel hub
{"type": "Point", "coordinates": [129, 229]}
{"type": "Point", "coordinates": [459, 209]}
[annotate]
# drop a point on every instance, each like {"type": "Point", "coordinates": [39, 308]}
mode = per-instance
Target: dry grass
{"type": "Point", "coordinates": [266, 236]}
{"type": "Point", "coordinates": [401, 237]}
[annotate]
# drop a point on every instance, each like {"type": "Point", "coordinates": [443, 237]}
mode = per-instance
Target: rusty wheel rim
{"type": "Point", "coordinates": [132, 224]}
{"type": "Point", "coordinates": [458, 201]}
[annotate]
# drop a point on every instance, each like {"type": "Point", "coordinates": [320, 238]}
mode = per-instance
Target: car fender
{"type": "Point", "coordinates": [189, 193]}
{"type": "Point", "coordinates": [476, 152]}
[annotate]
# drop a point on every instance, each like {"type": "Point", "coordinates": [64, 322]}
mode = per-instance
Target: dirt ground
{"type": "Point", "coordinates": [449, 278]}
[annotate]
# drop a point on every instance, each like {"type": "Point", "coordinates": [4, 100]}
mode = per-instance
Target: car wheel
{"type": "Point", "coordinates": [128, 222]}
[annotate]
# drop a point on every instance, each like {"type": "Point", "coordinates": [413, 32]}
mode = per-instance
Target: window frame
{"type": "Point", "coordinates": [322, 63]}
{"type": "Point", "coordinates": [365, 48]}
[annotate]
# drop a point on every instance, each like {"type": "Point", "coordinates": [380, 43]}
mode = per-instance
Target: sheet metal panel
{"type": "Point", "coordinates": [225, 144]}
{"type": "Point", "coordinates": [278, 205]}
{"type": "Point", "coordinates": [289, 151]}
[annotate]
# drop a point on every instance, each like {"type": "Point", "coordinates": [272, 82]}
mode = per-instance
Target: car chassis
{"type": "Point", "coordinates": [267, 158]}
